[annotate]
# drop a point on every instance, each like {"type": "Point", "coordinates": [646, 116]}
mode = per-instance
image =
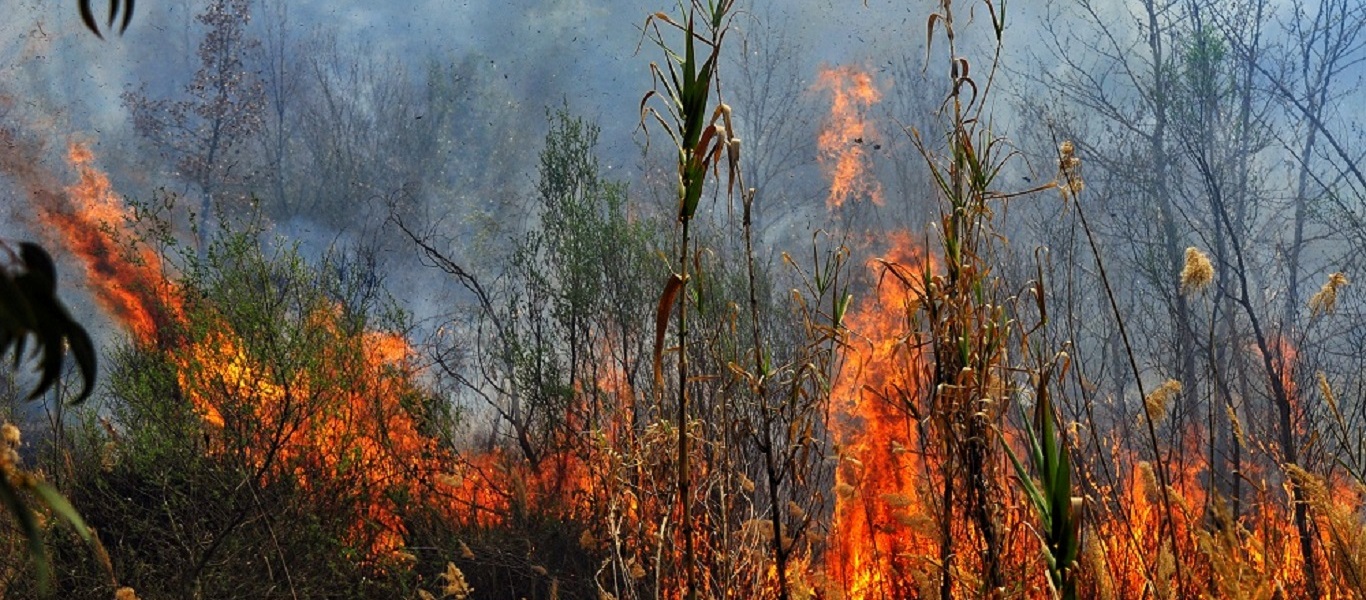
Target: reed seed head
{"type": "Point", "coordinates": [1069, 180]}
{"type": "Point", "coordinates": [844, 490]}
{"type": "Point", "coordinates": [1147, 477]}
{"type": "Point", "coordinates": [1237, 426]}
{"type": "Point", "coordinates": [1326, 300]}
{"type": "Point", "coordinates": [455, 585]}
{"type": "Point", "coordinates": [1160, 399]}
{"type": "Point", "coordinates": [1198, 272]}
{"type": "Point", "coordinates": [1327, 390]}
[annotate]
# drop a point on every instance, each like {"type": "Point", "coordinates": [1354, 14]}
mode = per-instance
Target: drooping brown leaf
{"type": "Point", "coordinates": [666, 303]}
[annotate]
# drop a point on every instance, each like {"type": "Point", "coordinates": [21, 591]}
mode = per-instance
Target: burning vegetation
{"type": "Point", "coordinates": [636, 408]}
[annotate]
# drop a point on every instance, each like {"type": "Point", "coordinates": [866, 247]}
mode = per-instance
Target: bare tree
{"type": "Point", "coordinates": [1324, 43]}
{"type": "Point", "coordinates": [281, 83]}
{"type": "Point", "coordinates": [1119, 71]}
{"type": "Point", "coordinates": [773, 112]}
{"type": "Point", "coordinates": [207, 133]}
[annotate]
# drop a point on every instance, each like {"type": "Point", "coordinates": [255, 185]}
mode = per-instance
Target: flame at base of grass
{"type": "Point", "coordinates": [880, 521]}
{"type": "Point", "coordinates": [888, 522]}
{"type": "Point", "coordinates": [348, 427]}
{"type": "Point", "coordinates": [334, 411]}
{"type": "Point", "coordinates": [342, 416]}
{"type": "Point", "coordinates": [1228, 547]}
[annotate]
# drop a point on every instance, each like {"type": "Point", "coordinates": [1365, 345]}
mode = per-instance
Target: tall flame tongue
{"type": "Point", "coordinates": [881, 516]}
{"type": "Point", "coordinates": [133, 291]}
{"type": "Point", "coordinates": [846, 135]}
{"type": "Point", "coordinates": [83, 221]}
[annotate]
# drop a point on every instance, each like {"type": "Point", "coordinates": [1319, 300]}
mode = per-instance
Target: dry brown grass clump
{"type": "Point", "coordinates": [1198, 272]}
{"type": "Point", "coordinates": [1326, 300]}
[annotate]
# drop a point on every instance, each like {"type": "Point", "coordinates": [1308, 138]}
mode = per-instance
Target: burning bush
{"type": "Point", "coordinates": [275, 420]}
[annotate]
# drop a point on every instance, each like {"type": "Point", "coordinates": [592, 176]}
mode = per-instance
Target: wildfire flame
{"type": "Point", "coordinates": [132, 289]}
{"type": "Point", "coordinates": [879, 519]}
{"type": "Point", "coordinates": [847, 134]}
{"type": "Point", "coordinates": [365, 439]}
{"type": "Point", "coordinates": [340, 432]}
{"type": "Point", "coordinates": [84, 221]}
{"type": "Point", "coordinates": [359, 436]}
{"type": "Point", "coordinates": [887, 520]}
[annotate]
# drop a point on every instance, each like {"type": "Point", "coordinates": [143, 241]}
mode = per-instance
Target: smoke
{"type": "Point", "coordinates": [61, 83]}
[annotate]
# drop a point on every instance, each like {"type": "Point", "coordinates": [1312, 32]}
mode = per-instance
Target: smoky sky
{"type": "Point", "coordinates": [583, 52]}
{"type": "Point", "coordinates": [64, 83]}
{"type": "Point", "coordinates": [580, 51]}
{"type": "Point", "coordinates": [587, 54]}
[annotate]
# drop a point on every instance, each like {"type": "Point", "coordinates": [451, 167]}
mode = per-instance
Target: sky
{"type": "Point", "coordinates": [589, 54]}
{"type": "Point", "coordinates": [66, 84]}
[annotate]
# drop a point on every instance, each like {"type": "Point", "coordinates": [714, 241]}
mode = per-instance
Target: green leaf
{"type": "Point", "coordinates": [39, 270]}
{"type": "Point", "coordinates": [29, 308]}
{"type": "Point", "coordinates": [693, 179]}
{"type": "Point", "coordinates": [88, 15]}
{"type": "Point", "coordinates": [83, 350]}
{"type": "Point", "coordinates": [28, 525]}
{"type": "Point", "coordinates": [841, 307]}
{"type": "Point", "coordinates": [1030, 489]}
{"type": "Point", "coordinates": [59, 504]}
{"type": "Point", "coordinates": [88, 18]}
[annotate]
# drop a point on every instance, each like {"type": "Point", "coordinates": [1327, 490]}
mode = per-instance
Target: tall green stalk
{"type": "Point", "coordinates": [684, 94]}
{"type": "Point", "coordinates": [966, 323]}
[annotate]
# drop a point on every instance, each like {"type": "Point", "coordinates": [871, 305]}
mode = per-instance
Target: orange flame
{"type": "Point", "coordinates": [887, 519]}
{"type": "Point", "coordinates": [130, 288]}
{"type": "Point", "coordinates": [359, 436]}
{"type": "Point", "coordinates": [84, 221]}
{"type": "Point", "coordinates": [364, 441]}
{"type": "Point", "coordinates": [343, 433]}
{"type": "Point", "coordinates": [846, 135]}
{"type": "Point", "coordinates": [879, 518]}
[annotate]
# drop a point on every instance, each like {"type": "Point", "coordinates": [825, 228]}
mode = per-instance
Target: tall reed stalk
{"type": "Point", "coordinates": [683, 89]}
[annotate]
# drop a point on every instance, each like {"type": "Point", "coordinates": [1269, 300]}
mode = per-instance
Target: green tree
{"type": "Point", "coordinates": [276, 431]}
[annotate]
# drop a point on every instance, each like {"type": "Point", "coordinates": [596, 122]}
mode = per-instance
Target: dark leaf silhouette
{"type": "Point", "coordinates": [29, 308]}
{"type": "Point", "coordinates": [120, 10]}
